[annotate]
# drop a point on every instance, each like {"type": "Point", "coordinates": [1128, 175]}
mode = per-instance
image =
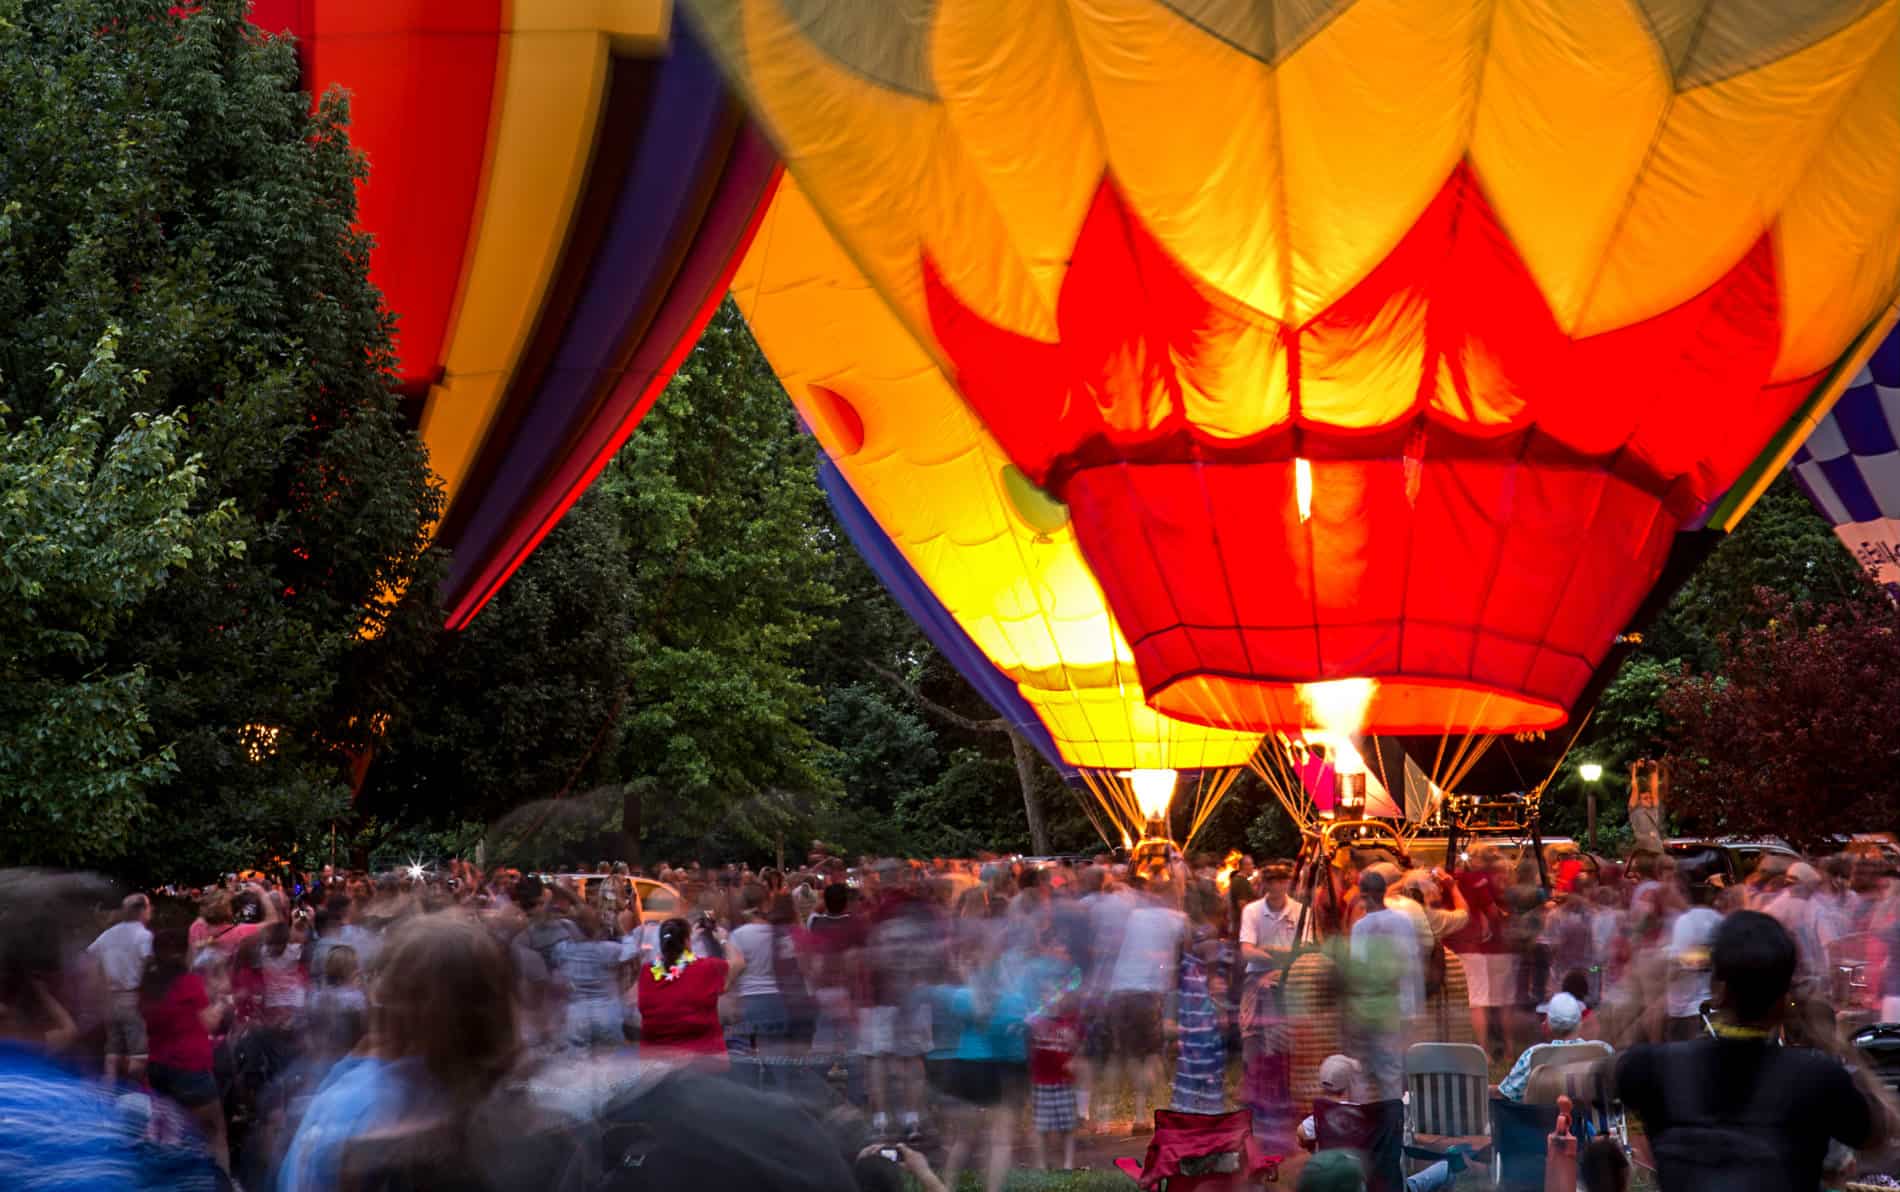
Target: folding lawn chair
{"type": "Point", "coordinates": [1202, 1152]}
{"type": "Point", "coordinates": [1449, 1101]}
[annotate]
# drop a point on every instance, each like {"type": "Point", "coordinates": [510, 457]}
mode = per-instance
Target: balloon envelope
{"type": "Point", "coordinates": [1365, 339]}
{"type": "Point", "coordinates": [941, 507]}
{"type": "Point", "coordinates": [1850, 466]}
{"type": "Point", "coordinates": [558, 194]}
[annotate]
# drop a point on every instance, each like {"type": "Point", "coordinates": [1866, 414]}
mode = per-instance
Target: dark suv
{"type": "Point", "coordinates": [1733, 860]}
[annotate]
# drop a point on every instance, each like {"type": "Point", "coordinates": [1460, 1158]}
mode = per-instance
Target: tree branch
{"type": "Point", "coordinates": [996, 725]}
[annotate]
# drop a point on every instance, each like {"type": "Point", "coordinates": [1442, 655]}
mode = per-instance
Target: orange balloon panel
{"type": "Point", "coordinates": [1360, 338]}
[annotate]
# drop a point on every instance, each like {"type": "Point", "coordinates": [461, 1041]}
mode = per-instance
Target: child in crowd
{"type": "Point", "coordinates": [1055, 1033]}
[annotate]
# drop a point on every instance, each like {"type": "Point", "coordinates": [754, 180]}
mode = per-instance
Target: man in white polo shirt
{"type": "Point", "coordinates": [121, 952]}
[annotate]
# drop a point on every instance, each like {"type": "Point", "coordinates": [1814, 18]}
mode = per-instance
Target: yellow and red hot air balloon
{"type": "Point", "coordinates": [1364, 341]}
{"type": "Point", "coordinates": [559, 191]}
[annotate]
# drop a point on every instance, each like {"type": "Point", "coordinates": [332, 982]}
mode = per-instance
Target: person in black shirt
{"type": "Point", "coordinates": [1740, 1113]}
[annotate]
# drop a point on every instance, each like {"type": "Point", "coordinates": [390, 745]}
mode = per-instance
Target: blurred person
{"type": "Point", "coordinates": [1385, 986]}
{"type": "Point", "coordinates": [284, 982]}
{"type": "Point", "coordinates": [1797, 909]}
{"type": "Point", "coordinates": [62, 1130]}
{"type": "Point", "coordinates": [763, 1022]}
{"type": "Point", "coordinates": [1446, 912]}
{"type": "Point", "coordinates": [211, 903]}
{"type": "Point", "coordinates": [789, 961]}
{"type": "Point", "coordinates": [252, 910]}
{"type": "Point", "coordinates": [179, 1017]}
{"type": "Point", "coordinates": [443, 1036]}
{"type": "Point", "coordinates": [1200, 1068]}
{"type": "Point", "coordinates": [875, 1171]}
{"type": "Point", "coordinates": [983, 1068]}
{"type": "Point", "coordinates": [1570, 931]}
{"type": "Point", "coordinates": [1489, 962]}
{"type": "Point", "coordinates": [1737, 1112]}
{"type": "Point", "coordinates": [1691, 970]}
{"type": "Point", "coordinates": [1399, 896]}
{"type": "Point", "coordinates": [1055, 1032]}
{"type": "Point", "coordinates": [1144, 973]}
{"type": "Point", "coordinates": [1564, 1018]}
{"type": "Point", "coordinates": [834, 936]}
{"type": "Point", "coordinates": [1104, 906]}
{"type": "Point", "coordinates": [591, 963]}
{"type": "Point", "coordinates": [121, 952]}
{"type": "Point", "coordinates": [1268, 936]}
{"type": "Point", "coordinates": [679, 996]}
{"type": "Point", "coordinates": [1342, 1079]}
{"type": "Point", "coordinates": [903, 957]}
{"type": "Point", "coordinates": [339, 1009]}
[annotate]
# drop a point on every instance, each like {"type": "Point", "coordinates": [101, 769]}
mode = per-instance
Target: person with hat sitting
{"type": "Point", "coordinates": [1564, 1015]}
{"type": "Point", "coordinates": [1342, 1079]}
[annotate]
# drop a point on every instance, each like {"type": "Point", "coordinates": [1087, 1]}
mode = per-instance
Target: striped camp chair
{"type": "Point", "coordinates": [1448, 1099]}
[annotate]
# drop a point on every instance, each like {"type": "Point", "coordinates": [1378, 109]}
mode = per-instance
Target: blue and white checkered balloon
{"type": "Point", "coordinates": [1850, 465]}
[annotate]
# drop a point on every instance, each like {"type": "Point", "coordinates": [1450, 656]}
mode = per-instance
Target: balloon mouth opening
{"type": "Point", "coordinates": [1398, 704]}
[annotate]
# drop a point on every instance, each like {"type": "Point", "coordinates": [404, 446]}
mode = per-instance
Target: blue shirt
{"type": "Point", "coordinates": [60, 1132]}
{"type": "Point", "coordinates": [1512, 1088]}
{"type": "Point", "coordinates": [361, 1091]}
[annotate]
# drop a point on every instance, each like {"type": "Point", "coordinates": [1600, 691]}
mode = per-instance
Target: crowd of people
{"type": "Point", "coordinates": [468, 1028]}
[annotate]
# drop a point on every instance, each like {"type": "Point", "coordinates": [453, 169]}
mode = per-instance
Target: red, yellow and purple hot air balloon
{"type": "Point", "coordinates": [559, 191]}
{"type": "Point", "coordinates": [1378, 352]}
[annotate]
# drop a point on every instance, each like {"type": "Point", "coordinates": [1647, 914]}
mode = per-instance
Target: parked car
{"type": "Point", "coordinates": [658, 901]}
{"type": "Point", "coordinates": [1731, 858]}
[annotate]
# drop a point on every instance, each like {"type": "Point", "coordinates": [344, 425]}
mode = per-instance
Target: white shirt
{"type": "Point", "coordinates": [1151, 944]}
{"type": "Point", "coordinates": [1394, 930]}
{"type": "Point", "coordinates": [1689, 975]}
{"type": "Point", "coordinates": [1263, 927]}
{"type": "Point", "coordinates": [1108, 918]}
{"type": "Point", "coordinates": [122, 950]}
{"type": "Point", "coordinates": [754, 941]}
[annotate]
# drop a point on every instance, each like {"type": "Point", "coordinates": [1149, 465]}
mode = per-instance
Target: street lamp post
{"type": "Point", "coordinates": [1590, 772]}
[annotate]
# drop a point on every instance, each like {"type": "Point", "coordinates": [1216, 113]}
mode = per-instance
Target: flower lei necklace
{"type": "Point", "coordinates": [663, 973]}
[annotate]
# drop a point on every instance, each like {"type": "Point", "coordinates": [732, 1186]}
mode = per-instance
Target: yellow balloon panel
{"type": "Point", "coordinates": [934, 480]}
{"type": "Point", "coordinates": [1632, 152]}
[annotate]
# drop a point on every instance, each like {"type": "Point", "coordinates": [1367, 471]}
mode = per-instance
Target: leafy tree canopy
{"type": "Point", "coordinates": [191, 353]}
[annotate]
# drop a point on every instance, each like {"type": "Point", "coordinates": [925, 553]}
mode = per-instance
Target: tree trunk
{"type": "Point", "coordinates": [630, 823]}
{"type": "Point", "coordinates": [1032, 798]}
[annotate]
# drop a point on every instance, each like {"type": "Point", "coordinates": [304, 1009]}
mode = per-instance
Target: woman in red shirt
{"type": "Point", "coordinates": [679, 996]}
{"type": "Point", "coordinates": [179, 1016]}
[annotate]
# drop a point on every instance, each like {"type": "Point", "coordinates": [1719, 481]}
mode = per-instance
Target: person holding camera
{"type": "Point", "coordinates": [880, 1167]}
{"type": "Point", "coordinates": [679, 993]}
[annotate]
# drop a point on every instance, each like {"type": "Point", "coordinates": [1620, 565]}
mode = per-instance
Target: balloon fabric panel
{"type": "Point", "coordinates": [939, 491]}
{"type": "Point", "coordinates": [1850, 466]}
{"type": "Point", "coordinates": [1391, 340]}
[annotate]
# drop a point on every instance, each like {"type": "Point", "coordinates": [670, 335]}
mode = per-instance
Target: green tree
{"type": "Point", "coordinates": [89, 528]}
{"type": "Point", "coordinates": [516, 706]}
{"type": "Point", "coordinates": [1784, 546]}
{"type": "Point", "coordinates": [728, 567]}
{"type": "Point", "coordinates": [1800, 718]}
{"type": "Point", "coordinates": [164, 178]}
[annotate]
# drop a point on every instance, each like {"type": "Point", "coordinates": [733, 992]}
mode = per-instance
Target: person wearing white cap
{"type": "Point", "coordinates": [1342, 1078]}
{"type": "Point", "coordinates": [1565, 1016]}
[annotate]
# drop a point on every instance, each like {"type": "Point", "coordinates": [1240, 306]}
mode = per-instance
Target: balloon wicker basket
{"type": "Point", "coordinates": [1312, 1010]}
